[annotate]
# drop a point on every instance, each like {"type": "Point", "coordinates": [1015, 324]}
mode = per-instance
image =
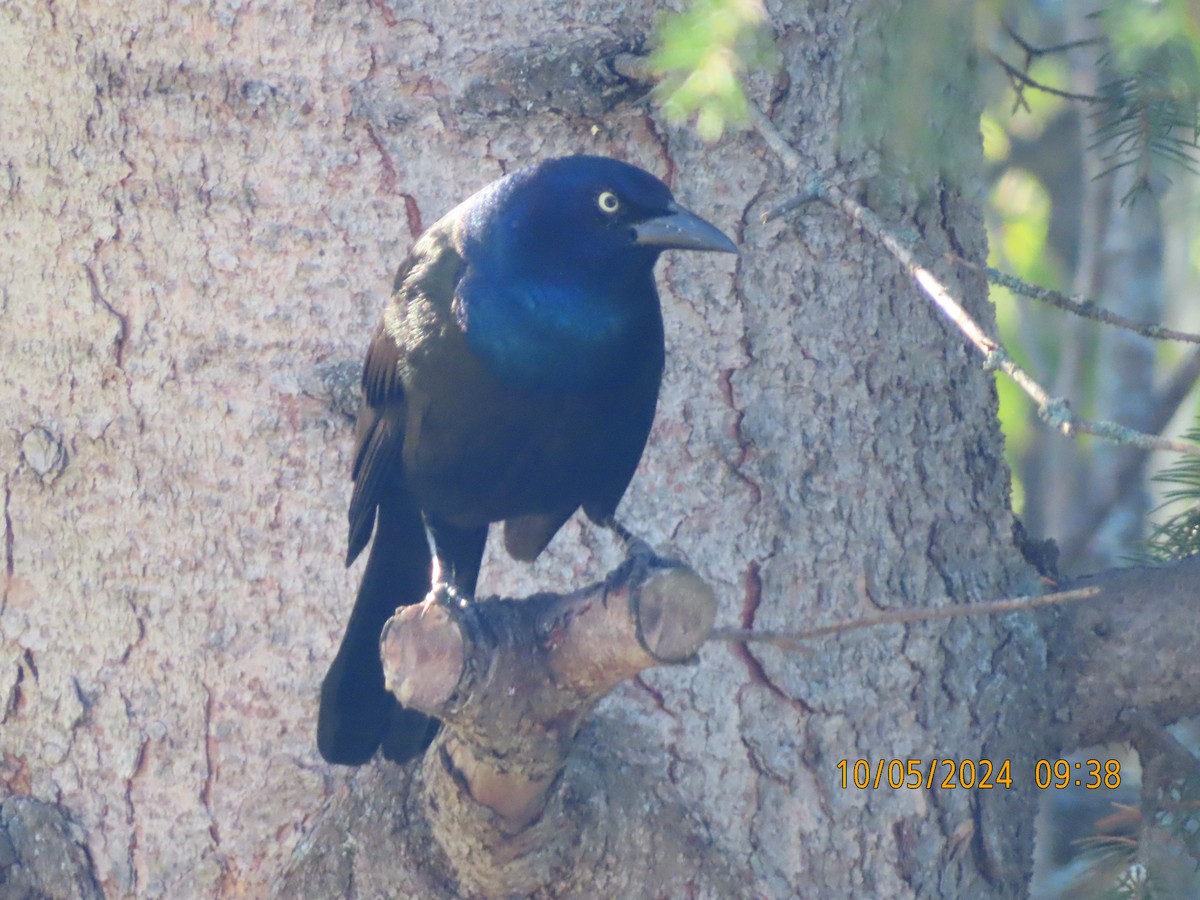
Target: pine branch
{"type": "Point", "coordinates": [1054, 411]}
{"type": "Point", "coordinates": [1080, 306]}
{"type": "Point", "coordinates": [1179, 536]}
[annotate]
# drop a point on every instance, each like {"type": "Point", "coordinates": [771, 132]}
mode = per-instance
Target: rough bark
{"type": "Point", "coordinates": [1130, 658]}
{"type": "Point", "coordinates": [42, 854]}
{"type": "Point", "coordinates": [512, 681]}
{"type": "Point", "coordinates": [1105, 682]}
{"type": "Point", "coordinates": [202, 208]}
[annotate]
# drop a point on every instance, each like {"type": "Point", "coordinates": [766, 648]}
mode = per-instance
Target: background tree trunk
{"type": "Point", "coordinates": [203, 206]}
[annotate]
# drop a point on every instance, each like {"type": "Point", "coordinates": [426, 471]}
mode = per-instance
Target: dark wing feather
{"type": "Point", "coordinates": [422, 293]}
{"type": "Point", "coordinates": [380, 438]}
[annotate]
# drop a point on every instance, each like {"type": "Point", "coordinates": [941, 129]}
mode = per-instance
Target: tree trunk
{"type": "Point", "coordinates": [203, 207]}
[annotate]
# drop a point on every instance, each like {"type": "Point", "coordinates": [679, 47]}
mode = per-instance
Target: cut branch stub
{"type": "Point", "coordinates": [512, 680]}
{"type": "Point", "coordinates": [433, 649]}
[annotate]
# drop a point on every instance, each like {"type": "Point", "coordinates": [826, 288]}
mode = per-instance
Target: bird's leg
{"type": "Point", "coordinates": [634, 545]}
{"type": "Point", "coordinates": [444, 587]}
{"type": "Point", "coordinates": [455, 555]}
{"type": "Point", "coordinates": [440, 589]}
{"type": "Point", "coordinates": [619, 530]}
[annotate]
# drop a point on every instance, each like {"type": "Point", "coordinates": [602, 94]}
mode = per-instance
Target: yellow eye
{"type": "Point", "coordinates": [608, 202]}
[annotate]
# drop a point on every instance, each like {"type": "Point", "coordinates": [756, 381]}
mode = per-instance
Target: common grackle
{"type": "Point", "coordinates": [513, 378]}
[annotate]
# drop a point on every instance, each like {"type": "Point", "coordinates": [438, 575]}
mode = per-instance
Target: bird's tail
{"type": "Point", "coordinates": [357, 714]}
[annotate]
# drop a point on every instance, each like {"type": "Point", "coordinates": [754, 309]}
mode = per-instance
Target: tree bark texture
{"type": "Point", "coordinates": [202, 208]}
{"type": "Point", "coordinates": [512, 681]}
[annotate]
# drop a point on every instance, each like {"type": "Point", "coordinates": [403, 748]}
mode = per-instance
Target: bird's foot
{"type": "Point", "coordinates": [446, 594]}
{"type": "Point", "coordinates": [634, 545]}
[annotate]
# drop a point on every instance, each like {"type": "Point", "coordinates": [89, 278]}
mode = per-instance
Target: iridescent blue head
{"type": "Point", "coordinates": [559, 285]}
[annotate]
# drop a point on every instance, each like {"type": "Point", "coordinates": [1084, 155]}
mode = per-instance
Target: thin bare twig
{"type": "Point", "coordinates": [1079, 305]}
{"type": "Point", "coordinates": [1032, 52]}
{"type": "Point", "coordinates": [1025, 81]}
{"type": "Point", "coordinates": [1054, 411]}
{"type": "Point", "coordinates": [791, 639]}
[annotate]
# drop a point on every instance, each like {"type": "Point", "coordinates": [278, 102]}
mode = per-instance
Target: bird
{"type": "Point", "coordinates": [513, 378]}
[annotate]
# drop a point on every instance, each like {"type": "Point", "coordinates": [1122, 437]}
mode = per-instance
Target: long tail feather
{"type": "Point", "coordinates": [356, 712]}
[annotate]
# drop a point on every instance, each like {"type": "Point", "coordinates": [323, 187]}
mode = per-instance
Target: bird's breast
{"type": "Point", "coordinates": [479, 446]}
{"type": "Point", "coordinates": [560, 340]}
{"type": "Point", "coordinates": [477, 450]}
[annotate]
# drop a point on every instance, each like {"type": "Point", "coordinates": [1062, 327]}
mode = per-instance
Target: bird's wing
{"type": "Point", "coordinates": [422, 294]}
{"type": "Point", "coordinates": [380, 437]}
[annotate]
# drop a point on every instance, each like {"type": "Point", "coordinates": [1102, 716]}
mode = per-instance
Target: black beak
{"type": "Point", "coordinates": [679, 229]}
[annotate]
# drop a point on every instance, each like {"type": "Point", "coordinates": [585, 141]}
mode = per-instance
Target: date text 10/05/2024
{"type": "Point", "coordinates": [969, 774]}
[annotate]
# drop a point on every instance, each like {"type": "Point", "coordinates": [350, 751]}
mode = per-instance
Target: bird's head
{"type": "Point", "coordinates": [585, 216]}
{"type": "Point", "coordinates": [558, 289]}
